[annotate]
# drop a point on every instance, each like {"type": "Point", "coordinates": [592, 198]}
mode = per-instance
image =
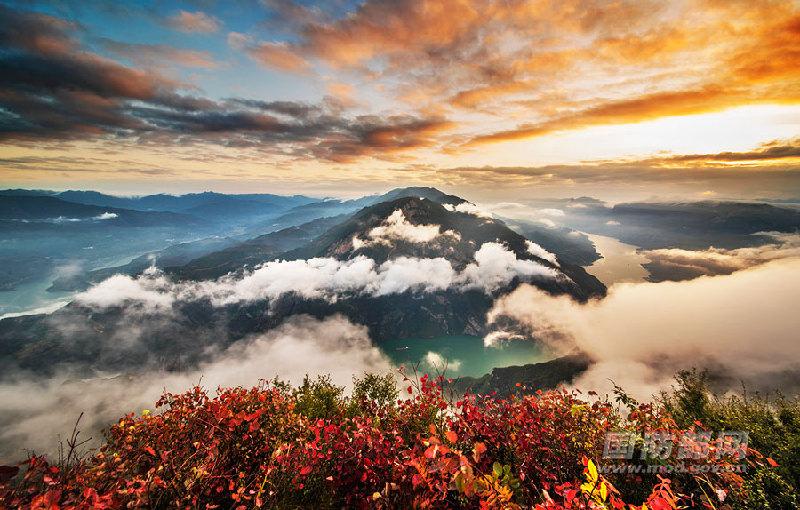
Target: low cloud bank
{"type": "Point", "coordinates": [34, 411]}
{"type": "Point", "coordinates": [743, 326]}
{"type": "Point", "coordinates": [64, 219]}
{"type": "Point", "coordinates": [677, 264]}
{"type": "Point", "coordinates": [494, 267]}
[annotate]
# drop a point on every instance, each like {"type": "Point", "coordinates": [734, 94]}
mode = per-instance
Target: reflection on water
{"type": "Point", "coordinates": [465, 355]}
{"type": "Point", "coordinates": [620, 263]}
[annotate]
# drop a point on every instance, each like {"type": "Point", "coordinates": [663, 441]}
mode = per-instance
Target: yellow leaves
{"type": "Point", "coordinates": [592, 471]}
{"type": "Point", "coordinates": [594, 487]}
{"type": "Point", "coordinates": [145, 412]}
{"type": "Point", "coordinates": [577, 409]}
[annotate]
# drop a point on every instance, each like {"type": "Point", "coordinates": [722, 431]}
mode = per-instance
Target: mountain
{"type": "Point", "coordinates": [469, 233]}
{"type": "Point", "coordinates": [250, 253]}
{"type": "Point", "coordinates": [199, 204]}
{"type": "Point", "coordinates": [523, 379]}
{"type": "Point", "coordinates": [130, 336]}
{"type": "Point", "coordinates": [175, 255]}
{"type": "Point", "coordinates": [51, 210]}
{"type": "Point", "coordinates": [571, 246]}
{"type": "Point", "coordinates": [690, 226]}
{"type": "Point", "coordinates": [331, 207]}
{"type": "Point", "coordinates": [43, 235]}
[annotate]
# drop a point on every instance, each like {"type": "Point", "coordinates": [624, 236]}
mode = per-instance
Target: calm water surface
{"type": "Point", "coordinates": [466, 355]}
{"type": "Point", "coordinates": [620, 263]}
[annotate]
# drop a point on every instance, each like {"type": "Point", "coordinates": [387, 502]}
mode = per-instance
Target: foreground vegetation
{"type": "Point", "coordinates": [275, 446]}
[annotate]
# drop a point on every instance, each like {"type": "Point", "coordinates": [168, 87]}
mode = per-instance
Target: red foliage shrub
{"type": "Point", "coordinates": [248, 448]}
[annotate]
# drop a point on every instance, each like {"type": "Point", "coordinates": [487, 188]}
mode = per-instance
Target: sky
{"type": "Point", "coordinates": [620, 100]}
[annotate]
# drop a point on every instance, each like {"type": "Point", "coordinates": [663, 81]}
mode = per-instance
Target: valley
{"type": "Point", "coordinates": [420, 273]}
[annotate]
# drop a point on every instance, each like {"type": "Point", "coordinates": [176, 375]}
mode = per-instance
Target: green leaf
{"type": "Point", "coordinates": [497, 469]}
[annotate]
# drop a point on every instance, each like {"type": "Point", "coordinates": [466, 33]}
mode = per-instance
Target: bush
{"type": "Point", "coordinates": [274, 446]}
{"type": "Point", "coordinates": [773, 426]}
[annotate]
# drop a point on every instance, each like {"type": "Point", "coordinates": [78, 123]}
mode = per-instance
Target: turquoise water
{"type": "Point", "coordinates": [466, 355]}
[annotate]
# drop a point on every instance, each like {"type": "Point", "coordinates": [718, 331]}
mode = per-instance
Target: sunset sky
{"type": "Point", "coordinates": [685, 99]}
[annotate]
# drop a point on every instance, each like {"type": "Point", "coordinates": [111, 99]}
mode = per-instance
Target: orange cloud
{"type": "Point", "coordinates": [199, 21]}
{"type": "Point", "coordinates": [279, 56]}
{"type": "Point", "coordinates": [566, 65]}
{"type": "Point", "coordinates": [624, 111]}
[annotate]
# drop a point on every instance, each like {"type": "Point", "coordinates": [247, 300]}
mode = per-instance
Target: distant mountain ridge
{"type": "Point", "coordinates": [165, 202]}
{"type": "Point", "coordinates": [34, 208]}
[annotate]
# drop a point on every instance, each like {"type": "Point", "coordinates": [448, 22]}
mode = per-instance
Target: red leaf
{"type": "Point", "coordinates": [772, 462]}
{"type": "Point", "coordinates": [305, 470]}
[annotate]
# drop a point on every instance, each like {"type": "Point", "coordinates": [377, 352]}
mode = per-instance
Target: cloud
{"type": "Point", "coordinates": [278, 56]}
{"type": "Point", "coordinates": [238, 40]}
{"type": "Point", "coordinates": [34, 411]}
{"type": "Point", "coordinates": [440, 364]}
{"type": "Point", "coordinates": [558, 213]}
{"type": "Point", "coordinates": [613, 223]}
{"type": "Point", "coordinates": [498, 338]}
{"type": "Point", "coordinates": [776, 150]}
{"type": "Point", "coordinates": [397, 228]}
{"type": "Point", "coordinates": [56, 90]}
{"type": "Point", "coordinates": [678, 264]}
{"type": "Point", "coordinates": [468, 208]}
{"type": "Point", "coordinates": [623, 111]}
{"type": "Point", "coordinates": [198, 21]}
{"type": "Point", "coordinates": [547, 222]}
{"type": "Point", "coordinates": [495, 266]}
{"type": "Point", "coordinates": [537, 251]}
{"type": "Point", "coordinates": [743, 327]}
{"type": "Point", "coordinates": [64, 219]}
{"type": "Point", "coordinates": [149, 291]}
{"type": "Point", "coordinates": [403, 273]}
{"type": "Point", "coordinates": [530, 60]}
{"type": "Point", "coordinates": [160, 55]}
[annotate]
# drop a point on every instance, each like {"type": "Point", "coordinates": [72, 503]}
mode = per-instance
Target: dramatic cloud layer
{"type": "Point", "coordinates": [54, 89]}
{"type": "Point", "coordinates": [510, 58]}
{"type": "Point", "coordinates": [33, 413]}
{"type": "Point", "coordinates": [742, 327]}
{"type": "Point", "coordinates": [422, 90]}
